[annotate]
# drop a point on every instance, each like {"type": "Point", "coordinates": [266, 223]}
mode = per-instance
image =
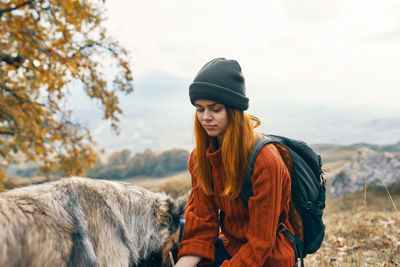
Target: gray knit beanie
{"type": "Point", "coordinates": [220, 80]}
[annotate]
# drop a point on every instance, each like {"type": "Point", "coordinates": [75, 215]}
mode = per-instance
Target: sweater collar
{"type": "Point", "coordinates": [215, 157]}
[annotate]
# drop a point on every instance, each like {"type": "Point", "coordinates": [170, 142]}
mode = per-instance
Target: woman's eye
{"type": "Point", "coordinates": [217, 109]}
{"type": "Point", "coordinates": [200, 110]}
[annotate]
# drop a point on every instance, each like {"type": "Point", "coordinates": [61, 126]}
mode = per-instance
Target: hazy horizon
{"type": "Point", "coordinates": [317, 70]}
{"type": "Point", "coordinates": [158, 115]}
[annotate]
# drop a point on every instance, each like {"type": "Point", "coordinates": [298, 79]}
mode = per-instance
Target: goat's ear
{"type": "Point", "coordinates": [181, 204]}
{"type": "Point", "coordinates": [176, 209]}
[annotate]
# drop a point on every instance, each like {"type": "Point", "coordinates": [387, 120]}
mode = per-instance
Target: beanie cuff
{"type": "Point", "coordinates": [220, 94]}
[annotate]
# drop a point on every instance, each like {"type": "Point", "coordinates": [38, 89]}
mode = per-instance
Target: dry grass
{"type": "Point", "coordinates": [175, 188]}
{"type": "Point", "coordinates": [174, 185]}
{"type": "Point", "coordinates": [336, 154]}
{"type": "Point", "coordinates": [362, 229]}
{"type": "Point", "coordinates": [14, 182]}
{"type": "Point", "coordinates": [359, 239]}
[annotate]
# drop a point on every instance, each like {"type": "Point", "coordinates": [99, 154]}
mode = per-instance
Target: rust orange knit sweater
{"type": "Point", "coordinates": [249, 235]}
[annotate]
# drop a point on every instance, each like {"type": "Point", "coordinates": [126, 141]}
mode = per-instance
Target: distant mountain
{"type": "Point", "coordinates": [374, 166]}
{"type": "Point", "coordinates": [382, 148]}
{"type": "Point", "coordinates": [333, 152]}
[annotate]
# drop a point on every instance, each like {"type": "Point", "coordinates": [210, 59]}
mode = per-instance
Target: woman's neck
{"type": "Point", "coordinates": [216, 144]}
{"type": "Point", "coordinates": [220, 140]}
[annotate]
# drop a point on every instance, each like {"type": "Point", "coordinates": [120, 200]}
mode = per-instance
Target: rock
{"type": "Point", "coordinates": [376, 167]}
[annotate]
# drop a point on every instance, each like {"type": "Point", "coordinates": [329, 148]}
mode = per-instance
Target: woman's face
{"type": "Point", "coordinates": [213, 117]}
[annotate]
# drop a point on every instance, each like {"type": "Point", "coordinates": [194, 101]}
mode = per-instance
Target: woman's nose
{"type": "Point", "coordinates": [207, 115]}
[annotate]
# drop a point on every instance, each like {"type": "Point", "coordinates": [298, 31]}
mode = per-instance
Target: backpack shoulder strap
{"type": "Point", "coordinates": [247, 190]}
{"type": "Point", "coordinates": [263, 140]}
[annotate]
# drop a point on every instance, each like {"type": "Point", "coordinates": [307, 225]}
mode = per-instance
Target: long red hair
{"type": "Point", "coordinates": [238, 140]}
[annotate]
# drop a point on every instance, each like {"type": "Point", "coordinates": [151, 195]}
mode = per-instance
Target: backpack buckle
{"type": "Point", "coordinates": [308, 205]}
{"type": "Point", "coordinates": [281, 227]}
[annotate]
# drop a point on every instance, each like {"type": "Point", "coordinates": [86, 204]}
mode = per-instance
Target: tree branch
{"type": "Point", "coordinates": [13, 61]}
{"type": "Point", "coordinates": [6, 133]}
{"type": "Point", "coordinates": [2, 11]}
{"type": "Point", "coordinates": [10, 117]}
{"type": "Point", "coordinates": [19, 98]}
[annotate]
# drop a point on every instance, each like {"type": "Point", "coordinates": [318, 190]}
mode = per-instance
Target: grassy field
{"type": "Point", "coordinates": [362, 229]}
{"type": "Point", "coordinates": [175, 185]}
{"type": "Point", "coordinates": [334, 153]}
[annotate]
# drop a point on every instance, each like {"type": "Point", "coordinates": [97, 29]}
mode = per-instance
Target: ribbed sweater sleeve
{"type": "Point", "coordinates": [264, 209]}
{"type": "Point", "coordinates": [201, 222]}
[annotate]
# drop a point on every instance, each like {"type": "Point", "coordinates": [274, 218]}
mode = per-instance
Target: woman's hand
{"type": "Point", "coordinates": [188, 261]}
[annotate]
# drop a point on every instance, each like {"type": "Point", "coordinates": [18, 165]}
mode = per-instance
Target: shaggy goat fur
{"type": "Point", "coordinates": [85, 222]}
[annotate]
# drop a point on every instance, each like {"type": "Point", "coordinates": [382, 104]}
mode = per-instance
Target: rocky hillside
{"type": "Point", "coordinates": [367, 165]}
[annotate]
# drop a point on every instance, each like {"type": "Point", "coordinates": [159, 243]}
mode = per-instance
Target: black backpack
{"type": "Point", "coordinates": [307, 192]}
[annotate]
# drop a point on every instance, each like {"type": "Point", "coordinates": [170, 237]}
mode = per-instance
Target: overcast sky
{"type": "Point", "coordinates": [326, 71]}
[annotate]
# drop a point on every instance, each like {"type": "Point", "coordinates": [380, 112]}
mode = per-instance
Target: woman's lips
{"type": "Point", "coordinates": [209, 127]}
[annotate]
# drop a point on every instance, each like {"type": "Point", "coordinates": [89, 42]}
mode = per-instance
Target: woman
{"type": "Point", "coordinates": [217, 223]}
